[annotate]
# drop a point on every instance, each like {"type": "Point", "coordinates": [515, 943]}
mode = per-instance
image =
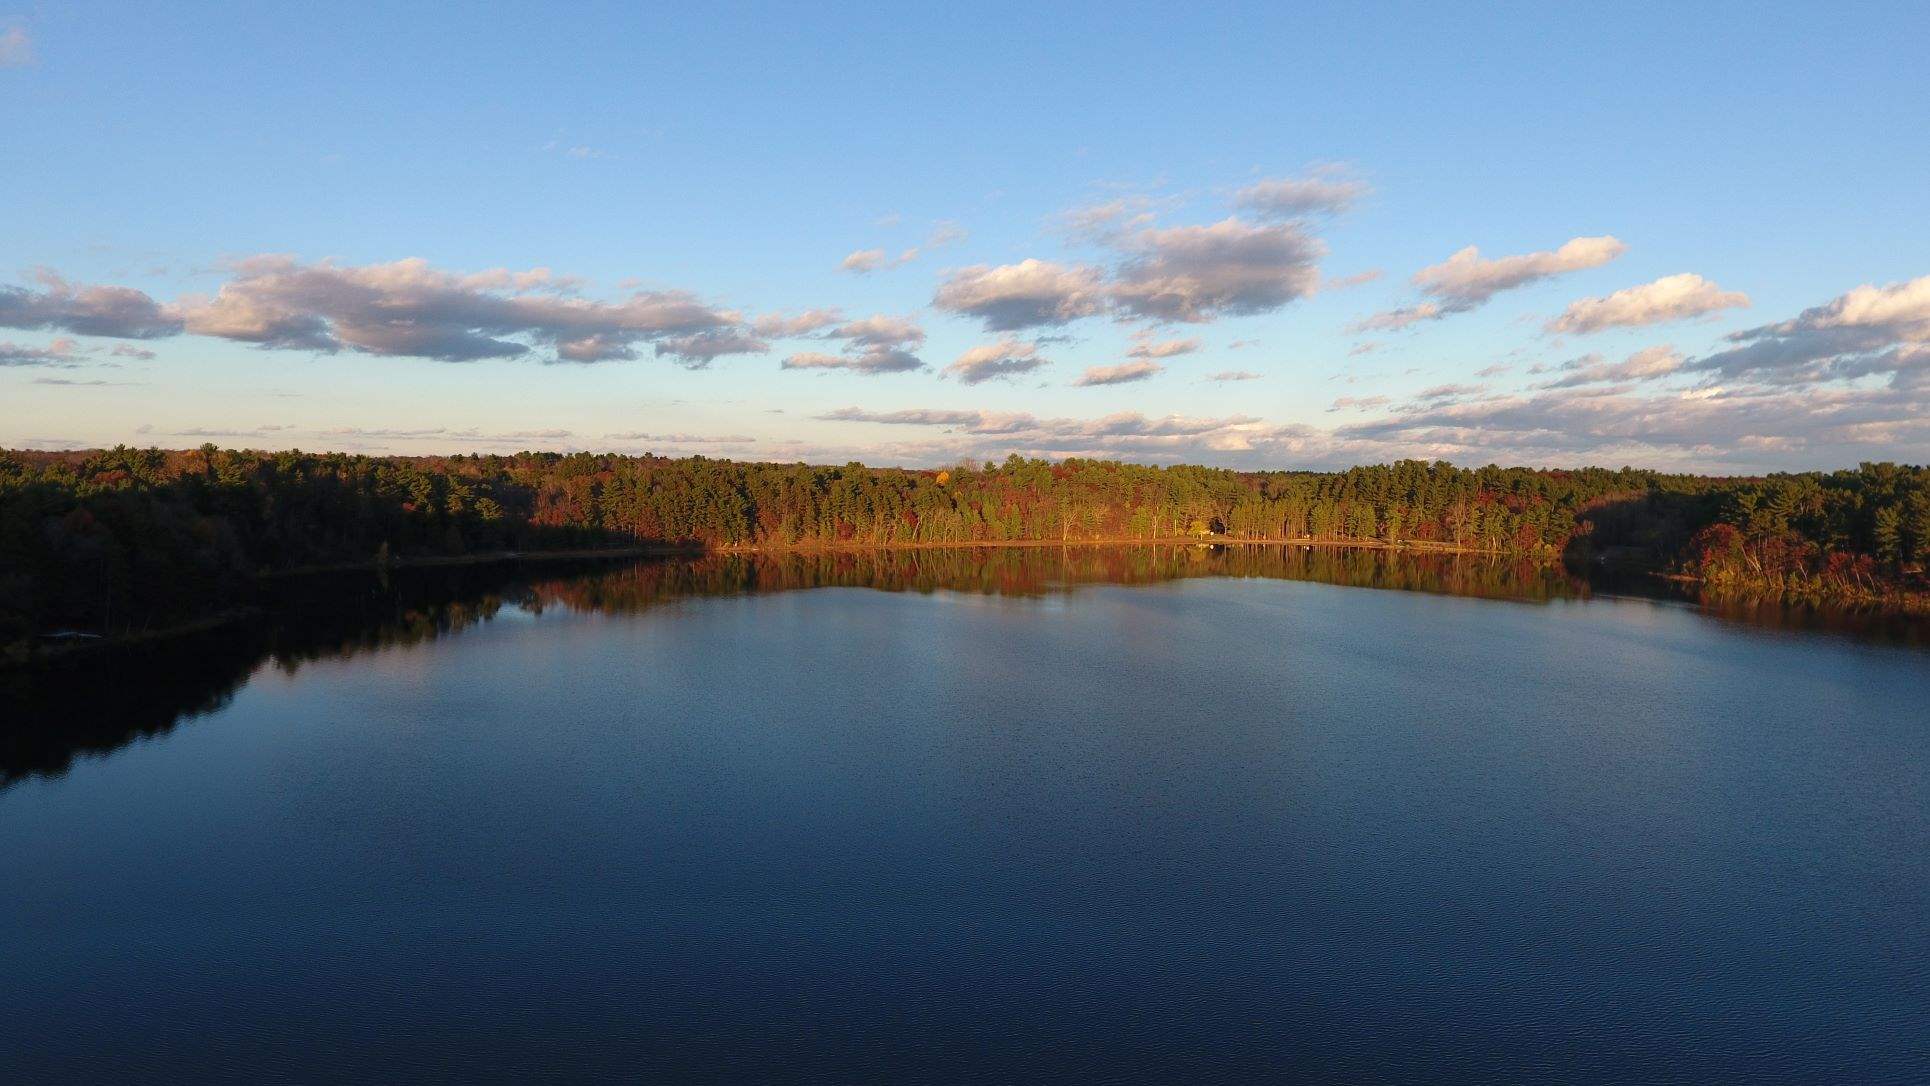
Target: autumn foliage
{"type": "Point", "coordinates": [125, 540]}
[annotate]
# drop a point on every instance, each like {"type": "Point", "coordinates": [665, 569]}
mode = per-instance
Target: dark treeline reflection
{"type": "Point", "coordinates": [1032, 571]}
{"type": "Point", "coordinates": [100, 702]}
{"type": "Point", "coordinates": [97, 704]}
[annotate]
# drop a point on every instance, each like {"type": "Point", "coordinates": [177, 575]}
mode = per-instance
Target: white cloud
{"type": "Point", "coordinates": [1644, 365]}
{"type": "Point", "coordinates": [880, 330]}
{"type": "Point", "coordinates": [873, 345]}
{"type": "Point", "coordinates": [266, 430]}
{"type": "Point", "coordinates": [1106, 221]}
{"type": "Point", "coordinates": [1146, 347]}
{"type": "Point", "coordinates": [544, 438]}
{"type": "Point", "coordinates": [1868, 331]}
{"type": "Point", "coordinates": [1125, 425]}
{"type": "Point", "coordinates": [870, 260]}
{"type": "Point", "coordinates": [1695, 430]}
{"type": "Point", "coordinates": [1124, 373]}
{"type": "Point", "coordinates": [945, 232]}
{"type": "Point", "coordinates": [869, 362]}
{"type": "Point", "coordinates": [681, 439]}
{"type": "Point", "coordinates": [1393, 320]}
{"type": "Point", "coordinates": [1748, 429]}
{"type": "Point", "coordinates": [1354, 280]}
{"type": "Point", "coordinates": [407, 308]}
{"type": "Point", "coordinates": [1359, 403]}
{"type": "Point", "coordinates": [778, 326]}
{"type": "Point", "coordinates": [58, 352]}
{"type": "Point", "coordinates": [913, 417]}
{"type": "Point", "coordinates": [1006, 358]}
{"type": "Point", "coordinates": [1466, 280]}
{"type": "Point", "coordinates": [1440, 393]}
{"type": "Point", "coordinates": [1290, 197]}
{"type": "Point", "coordinates": [1231, 268]}
{"type": "Point", "coordinates": [1670, 298]}
{"type": "Point", "coordinates": [61, 306]}
{"type": "Point", "coordinates": [695, 350]}
{"type": "Point", "coordinates": [1028, 294]}
{"type": "Point", "coordinates": [1190, 274]}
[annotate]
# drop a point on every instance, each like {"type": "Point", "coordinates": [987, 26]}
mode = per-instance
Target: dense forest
{"type": "Point", "coordinates": [130, 540]}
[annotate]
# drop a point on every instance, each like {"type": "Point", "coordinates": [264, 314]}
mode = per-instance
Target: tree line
{"type": "Point", "coordinates": [124, 540]}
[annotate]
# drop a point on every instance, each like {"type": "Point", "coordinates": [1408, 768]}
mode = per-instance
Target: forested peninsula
{"type": "Point", "coordinates": [128, 541]}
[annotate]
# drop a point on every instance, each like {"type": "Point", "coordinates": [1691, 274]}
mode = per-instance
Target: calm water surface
{"type": "Point", "coordinates": [1114, 816]}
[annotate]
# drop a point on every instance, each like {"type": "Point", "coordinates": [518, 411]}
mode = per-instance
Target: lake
{"type": "Point", "coordinates": [1151, 814]}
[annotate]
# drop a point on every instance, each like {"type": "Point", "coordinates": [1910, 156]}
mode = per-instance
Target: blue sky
{"type": "Point", "coordinates": [207, 207]}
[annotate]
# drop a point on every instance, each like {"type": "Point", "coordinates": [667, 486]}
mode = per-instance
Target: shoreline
{"type": "Point", "coordinates": [36, 655]}
{"type": "Point", "coordinates": [485, 558]}
{"type": "Point", "coordinates": [1413, 546]}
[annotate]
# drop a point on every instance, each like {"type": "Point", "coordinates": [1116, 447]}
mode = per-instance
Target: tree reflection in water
{"type": "Point", "coordinates": [98, 704]}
